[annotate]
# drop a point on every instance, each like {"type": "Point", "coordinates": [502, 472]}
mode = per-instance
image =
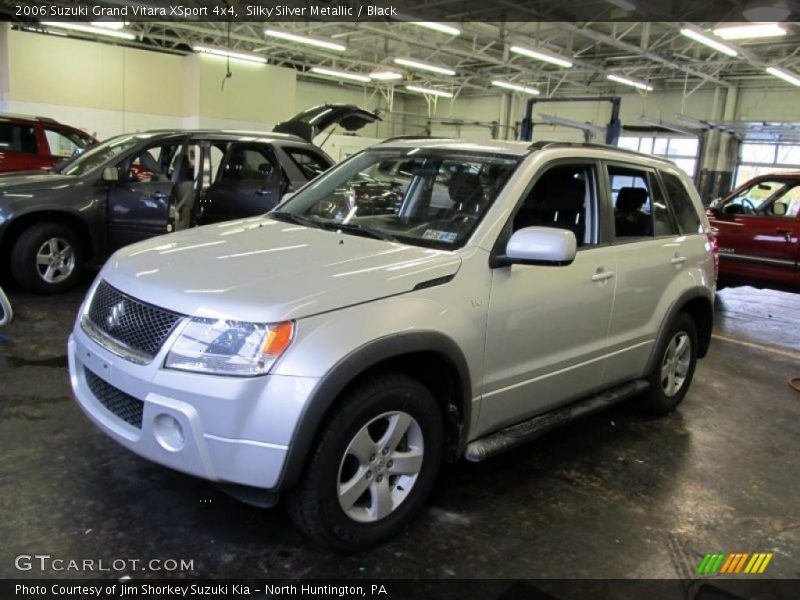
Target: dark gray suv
{"type": "Point", "coordinates": [136, 186]}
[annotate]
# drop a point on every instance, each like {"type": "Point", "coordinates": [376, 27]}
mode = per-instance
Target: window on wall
{"type": "Point", "coordinates": [680, 150]}
{"type": "Point", "coordinates": [760, 158]}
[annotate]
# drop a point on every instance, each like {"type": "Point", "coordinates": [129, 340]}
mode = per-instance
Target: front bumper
{"type": "Point", "coordinates": [224, 429]}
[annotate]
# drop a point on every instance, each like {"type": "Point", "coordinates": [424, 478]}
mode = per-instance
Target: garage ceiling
{"type": "Point", "coordinates": [651, 49]}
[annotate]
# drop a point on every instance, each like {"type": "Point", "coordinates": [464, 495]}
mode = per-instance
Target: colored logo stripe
{"type": "Point", "coordinates": [734, 563]}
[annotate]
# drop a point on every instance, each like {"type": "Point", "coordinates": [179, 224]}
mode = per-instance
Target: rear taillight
{"type": "Point", "coordinates": [711, 234]}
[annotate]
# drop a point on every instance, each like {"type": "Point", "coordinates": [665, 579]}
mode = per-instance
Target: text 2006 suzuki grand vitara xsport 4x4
{"type": "Point", "coordinates": [422, 301]}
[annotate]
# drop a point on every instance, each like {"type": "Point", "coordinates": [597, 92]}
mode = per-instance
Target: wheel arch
{"type": "Point", "coordinates": [430, 357]}
{"type": "Point", "coordinates": [19, 224]}
{"type": "Point", "coordinates": [698, 303]}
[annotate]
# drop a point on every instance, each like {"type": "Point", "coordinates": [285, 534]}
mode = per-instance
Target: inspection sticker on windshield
{"type": "Point", "coordinates": [439, 235]}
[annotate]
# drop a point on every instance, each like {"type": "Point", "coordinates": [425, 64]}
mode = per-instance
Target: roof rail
{"type": "Point", "coordinates": [541, 144]}
{"type": "Point", "coordinates": [400, 138]}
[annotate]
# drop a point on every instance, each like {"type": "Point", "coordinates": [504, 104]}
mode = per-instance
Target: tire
{"type": "Point", "coordinates": [35, 245]}
{"type": "Point", "coordinates": [674, 369]}
{"type": "Point", "coordinates": [315, 505]}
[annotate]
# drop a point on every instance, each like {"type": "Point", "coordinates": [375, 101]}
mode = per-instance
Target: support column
{"type": "Point", "coordinates": [4, 74]}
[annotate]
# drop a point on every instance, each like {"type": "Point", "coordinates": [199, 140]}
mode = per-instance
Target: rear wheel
{"type": "Point", "coordinates": [373, 467]}
{"type": "Point", "coordinates": [47, 258]}
{"type": "Point", "coordinates": [674, 370]}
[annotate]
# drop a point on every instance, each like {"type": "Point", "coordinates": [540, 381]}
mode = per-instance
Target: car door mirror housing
{"type": "Point", "coordinates": [110, 175]}
{"type": "Point", "coordinates": [544, 246]}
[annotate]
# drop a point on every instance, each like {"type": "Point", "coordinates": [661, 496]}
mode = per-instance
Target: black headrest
{"type": "Point", "coordinates": [464, 187]}
{"type": "Point", "coordinates": [631, 199]}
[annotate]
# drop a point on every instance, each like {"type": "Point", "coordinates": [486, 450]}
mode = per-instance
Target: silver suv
{"type": "Point", "coordinates": [421, 302]}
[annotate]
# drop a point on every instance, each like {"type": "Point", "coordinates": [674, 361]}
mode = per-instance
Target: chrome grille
{"type": "Point", "coordinates": [128, 322]}
{"type": "Point", "coordinates": [123, 405]}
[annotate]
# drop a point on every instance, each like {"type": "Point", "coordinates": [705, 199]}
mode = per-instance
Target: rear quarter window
{"type": "Point", "coordinates": [681, 202]}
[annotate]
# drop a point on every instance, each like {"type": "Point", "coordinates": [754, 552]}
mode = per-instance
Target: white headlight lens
{"type": "Point", "coordinates": [229, 347]}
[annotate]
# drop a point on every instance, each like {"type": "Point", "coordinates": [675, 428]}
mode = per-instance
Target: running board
{"type": "Point", "coordinates": [518, 434]}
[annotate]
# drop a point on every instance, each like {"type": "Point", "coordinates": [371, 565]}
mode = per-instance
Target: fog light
{"type": "Point", "coordinates": [168, 433]}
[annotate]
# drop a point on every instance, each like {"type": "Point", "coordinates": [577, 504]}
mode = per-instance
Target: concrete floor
{"type": "Point", "coordinates": [615, 496]}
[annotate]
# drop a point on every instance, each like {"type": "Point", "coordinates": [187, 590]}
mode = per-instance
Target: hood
{"type": "Point", "coordinates": [34, 180]}
{"type": "Point", "coordinates": [263, 270]}
{"type": "Point", "coordinates": [309, 123]}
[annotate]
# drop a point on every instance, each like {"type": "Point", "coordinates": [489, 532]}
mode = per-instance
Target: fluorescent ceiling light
{"type": "Point", "coordinates": [340, 74]}
{"type": "Point", "coordinates": [785, 75]}
{"type": "Point", "coordinates": [549, 58]}
{"type": "Point", "coordinates": [302, 39]}
{"type": "Point", "coordinates": [754, 30]}
{"type": "Point", "coordinates": [440, 27]}
{"type": "Point", "coordinates": [708, 41]}
{"type": "Point", "coordinates": [117, 25]}
{"type": "Point", "coordinates": [385, 75]}
{"type": "Point", "coordinates": [639, 85]}
{"type": "Point", "coordinates": [516, 87]}
{"type": "Point", "coordinates": [430, 91]}
{"type": "Point", "coordinates": [415, 64]}
{"type": "Point", "coordinates": [123, 35]}
{"type": "Point", "coordinates": [229, 54]}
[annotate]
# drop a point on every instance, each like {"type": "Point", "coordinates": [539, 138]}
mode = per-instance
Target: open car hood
{"type": "Point", "coordinates": [309, 123]}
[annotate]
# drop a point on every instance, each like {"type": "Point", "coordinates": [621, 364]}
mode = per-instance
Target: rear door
{"type": "Point", "coordinates": [139, 203]}
{"type": "Point", "coordinates": [651, 255]}
{"type": "Point", "coordinates": [759, 232]}
{"type": "Point", "coordinates": [250, 182]}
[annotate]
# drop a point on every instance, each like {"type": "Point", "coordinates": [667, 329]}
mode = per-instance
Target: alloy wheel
{"type": "Point", "coordinates": [55, 260]}
{"type": "Point", "coordinates": [675, 366]}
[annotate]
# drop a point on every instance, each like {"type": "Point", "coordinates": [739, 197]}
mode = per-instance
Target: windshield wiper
{"type": "Point", "coordinates": [294, 218]}
{"type": "Point", "coordinates": [357, 229]}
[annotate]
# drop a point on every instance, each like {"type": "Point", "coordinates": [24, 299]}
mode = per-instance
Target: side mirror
{"type": "Point", "coordinates": [779, 209]}
{"type": "Point", "coordinates": [540, 246]}
{"type": "Point", "coordinates": [110, 175]}
{"type": "Point", "coordinates": [6, 314]}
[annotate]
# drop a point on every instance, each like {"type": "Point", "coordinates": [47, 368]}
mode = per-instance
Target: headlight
{"type": "Point", "coordinates": [229, 347]}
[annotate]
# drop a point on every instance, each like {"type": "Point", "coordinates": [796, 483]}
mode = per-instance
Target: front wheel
{"type": "Point", "coordinates": [47, 258]}
{"type": "Point", "coordinates": [673, 372]}
{"type": "Point", "coordinates": [373, 467]}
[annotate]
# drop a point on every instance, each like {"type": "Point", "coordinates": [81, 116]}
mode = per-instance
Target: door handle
{"type": "Point", "coordinates": [158, 195]}
{"type": "Point", "coordinates": [263, 192]}
{"type": "Point", "coordinates": [678, 260]}
{"type": "Point", "coordinates": [602, 275]}
{"type": "Point", "coordinates": [787, 233]}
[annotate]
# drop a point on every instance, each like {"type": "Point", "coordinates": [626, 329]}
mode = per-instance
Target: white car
{"type": "Point", "coordinates": [338, 358]}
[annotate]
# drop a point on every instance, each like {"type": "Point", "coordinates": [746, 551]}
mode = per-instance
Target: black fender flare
{"type": "Point", "coordinates": [331, 385]}
{"type": "Point", "coordinates": [686, 297]}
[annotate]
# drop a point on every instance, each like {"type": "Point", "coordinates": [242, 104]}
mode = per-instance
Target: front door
{"type": "Point", "coordinates": [759, 232]}
{"type": "Point", "coordinates": [547, 326]}
{"type": "Point", "coordinates": [249, 183]}
{"type": "Point", "coordinates": [139, 203]}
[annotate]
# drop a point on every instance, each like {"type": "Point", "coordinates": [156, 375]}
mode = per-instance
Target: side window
{"type": "Point", "coordinates": [63, 143]}
{"type": "Point", "coordinates": [18, 138]}
{"type": "Point", "coordinates": [631, 196]}
{"type": "Point", "coordinates": [786, 204]}
{"type": "Point", "coordinates": [563, 197]}
{"type": "Point", "coordinates": [748, 201]}
{"type": "Point", "coordinates": [682, 206]}
{"type": "Point", "coordinates": [153, 164]}
{"type": "Point", "coordinates": [309, 163]}
{"type": "Point", "coordinates": [248, 163]}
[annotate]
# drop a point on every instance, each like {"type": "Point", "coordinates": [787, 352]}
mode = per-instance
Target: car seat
{"type": "Point", "coordinates": [629, 219]}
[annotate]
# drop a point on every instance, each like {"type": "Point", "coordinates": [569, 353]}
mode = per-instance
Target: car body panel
{"type": "Point", "coordinates": [40, 155]}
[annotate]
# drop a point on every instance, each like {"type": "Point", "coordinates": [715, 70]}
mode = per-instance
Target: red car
{"type": "Point", "coordinates": [759, 227]}
{"type": "Point", "coordinates": [29, 143]}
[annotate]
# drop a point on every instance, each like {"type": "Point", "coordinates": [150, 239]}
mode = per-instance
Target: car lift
{"type": "Point", "coordinates": [613, 129]}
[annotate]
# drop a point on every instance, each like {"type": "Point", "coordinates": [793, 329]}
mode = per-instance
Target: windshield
{"type": "Point", "coordinates": [93, 158]}
{"type": "Point", "coordinates": [425, 196]}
